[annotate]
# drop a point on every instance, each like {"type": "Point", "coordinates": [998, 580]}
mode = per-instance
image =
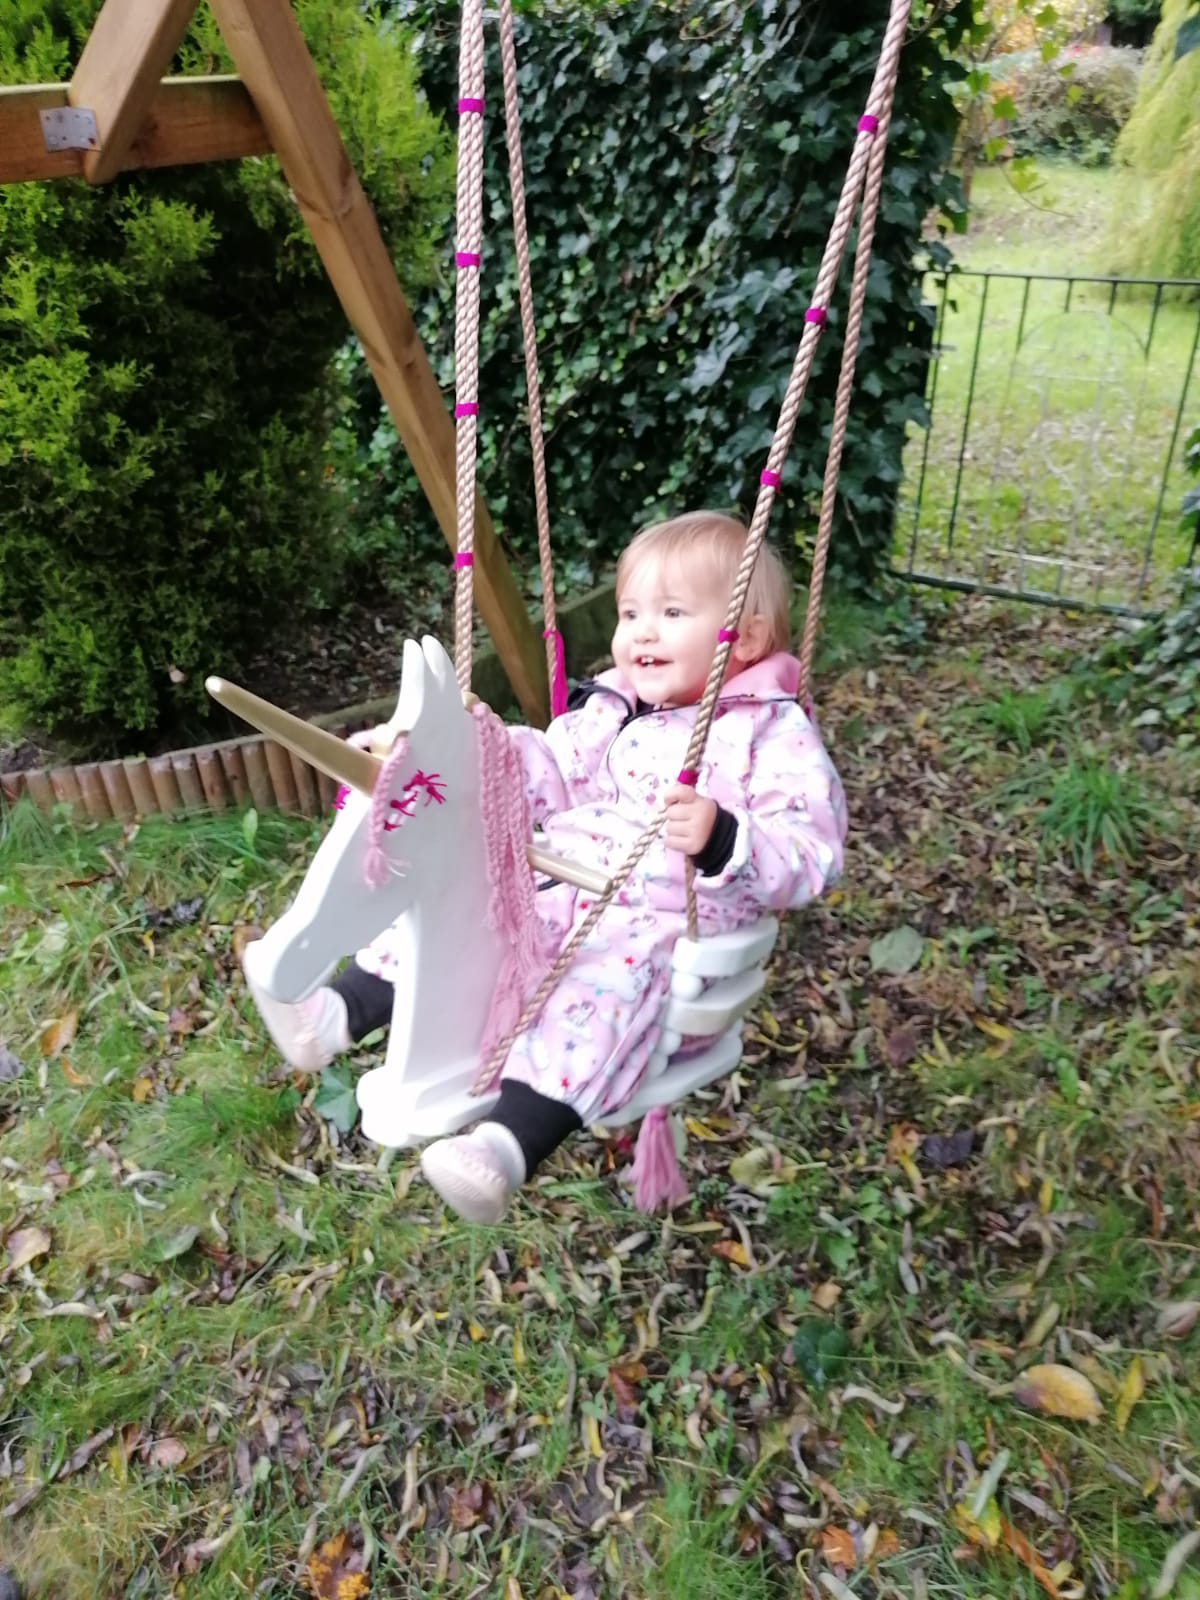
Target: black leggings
{"type": "Point", "coordinates": [538, 1123]}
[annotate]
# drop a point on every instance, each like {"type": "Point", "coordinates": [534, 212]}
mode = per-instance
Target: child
{"type": "Point", "coordinates": [764, 827]}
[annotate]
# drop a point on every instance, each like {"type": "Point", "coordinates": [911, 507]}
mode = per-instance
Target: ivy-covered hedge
{"type": "Point", "coordinates": [683, 162]}
{"type": "Point", "coordinates": [166, 350]}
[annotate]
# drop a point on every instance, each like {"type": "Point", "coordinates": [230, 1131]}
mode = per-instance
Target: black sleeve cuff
{"type": "Point", "coordinates": [715, 856]}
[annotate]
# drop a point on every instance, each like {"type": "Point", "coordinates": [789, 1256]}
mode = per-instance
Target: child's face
{"type": "Point", "coordinates": [667, 625]}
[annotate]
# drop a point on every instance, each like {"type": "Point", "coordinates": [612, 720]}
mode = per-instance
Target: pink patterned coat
{"type": "Point", "coordinates": [595, 779]}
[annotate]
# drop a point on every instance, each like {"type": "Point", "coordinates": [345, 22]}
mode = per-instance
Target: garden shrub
{"type": "Point", "coordinates": [1074, 105]}
{"type": "Point", "coordinates": [166, 349]}
{"type": "Point", "coordinates": [1156, 215]}
{"type": "Point", "coordinates": [683, 162]}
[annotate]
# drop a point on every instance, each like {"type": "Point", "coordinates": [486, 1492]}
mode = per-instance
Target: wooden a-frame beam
{"type": "Point", "coordinates": [125, 58]}
{"type": "Point", "coordinates": [273, 62]}
{"type": "Point", "coordinates": [190, 120]}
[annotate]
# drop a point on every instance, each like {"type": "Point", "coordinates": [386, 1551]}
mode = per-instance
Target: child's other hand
{"type": "Point", "coordinates": [691, 818]}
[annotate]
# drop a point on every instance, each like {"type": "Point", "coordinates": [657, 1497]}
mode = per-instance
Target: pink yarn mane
{"type": "Point", "coordinates": [507, 828]}
{"type": "Point", "coordinates": [375, 868]}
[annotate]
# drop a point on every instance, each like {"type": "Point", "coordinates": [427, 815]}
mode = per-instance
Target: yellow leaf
{"type": "Point", "coordinates": [1045, 1196]}
{"type": "Point", "coordinates": [57, 1035]}
{"type": "Point", "coordinates": [592, 1429]}
{"type": "Point", "coordinates": [478, 1334]}
{"type": "Point", "coordinates": [732, 1250]}
{"type": "Point", "coordinates": [512, 1590]}
{"type": "Point", "coordinates": [887, 1545]}
{"type": "Point", "coordinates": [143, 1089]}
{"type": "Point", "coordinates": [1059, 1392]}
{"type": "Point", "coordinates": [912, 1172]}
{"type": "Point", "coordinates": [1133, 1387]}
{"type": "Point", "coordinates": [73, 1077]}
{"type": "Point", "coordinates": [826, 1295]}
{"type": "Point", "coordinates": [770, 1025]}
{"type": "Point", "coordinates": [985, 1530]}
{"type": "Point", "coordinates": [994, 1030]}
{"type": "Point", "coordinates": [703, 1131]}
{"type": "Point", "coordinates": [518, 1348]}
{"type": "Point", "coordinates": [26, 1245]}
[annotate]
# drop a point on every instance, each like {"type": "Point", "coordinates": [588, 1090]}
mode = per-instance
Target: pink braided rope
{"type": "Point", "coordinates": [468, 249]}
{"type": "Point", "coordinates": [878, 126]}
{"type": "Point", "coordinates": [516, 179]}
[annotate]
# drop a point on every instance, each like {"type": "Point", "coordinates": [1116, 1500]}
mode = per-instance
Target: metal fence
{"type": "Point", "coordinates": [1052, 469]}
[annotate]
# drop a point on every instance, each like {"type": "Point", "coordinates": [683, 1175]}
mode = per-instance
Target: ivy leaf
{"type": "Point", "coordinates": [335, 1099]}
{"type": "Point", "coordinates": [1188, 37]}
{"type": "Point", "coordinates": [897, 952]}
{"type": "Point", "coordinates": [822, 1350]}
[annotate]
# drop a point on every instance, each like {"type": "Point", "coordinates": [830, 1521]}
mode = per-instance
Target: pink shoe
{"type": "Point", "coordinates": [307, 1033]}
{"type": "Point", "coordinates": [473, 1176]}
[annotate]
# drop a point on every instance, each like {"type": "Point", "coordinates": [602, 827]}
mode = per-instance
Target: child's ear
{"type": "Point", "coordinates": [752, 639]}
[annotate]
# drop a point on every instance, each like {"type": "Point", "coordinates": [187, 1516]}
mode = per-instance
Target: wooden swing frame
{"type": "Point", "coordinates": [274, 106]}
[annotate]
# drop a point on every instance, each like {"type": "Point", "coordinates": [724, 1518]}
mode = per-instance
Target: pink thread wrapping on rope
{"type": "Point", "coordinates": [470, 103]}
{"type": "Point", "coordinates": [464, 558]}
{"type": "Point", "coordinates": [690, 776]}
{"type": "Point", "coordinates": [558, 688]}
{"type": "Point", "coordinates": [817, 314]}
{"type": "Point", "coordinates": [728, 636]}
{"type": "Point", "coordinates": [769, 479]}
{"type": "Point", "coordinates": [375, 868]}
{"type": "Point", "coordinates": [655, 1173]}
{"type": "Point", "coordinates": [512, 909]}
{"type": "Point", "coordinates": [466, 408]}
{"type": "Point", "coordinates": [467, 258]}
{"type": "Point", "coordinates": [868, 124]}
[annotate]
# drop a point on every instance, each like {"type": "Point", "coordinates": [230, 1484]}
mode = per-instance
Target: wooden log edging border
{"type": "Point", "coordinates": [253, 770]}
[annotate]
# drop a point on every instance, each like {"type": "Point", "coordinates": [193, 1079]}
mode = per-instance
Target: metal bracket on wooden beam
{"type": "Point", "coordinates": [70, 128]}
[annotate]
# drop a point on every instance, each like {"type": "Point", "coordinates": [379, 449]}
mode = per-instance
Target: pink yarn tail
{"type": "Point", "coordinates": [512, 908]}
{"type": "Point", "coordinates": [655, 1173]}
{"type": "Point", "coordinates": [558, 684]}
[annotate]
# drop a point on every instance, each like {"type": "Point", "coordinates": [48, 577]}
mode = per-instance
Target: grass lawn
{"type": "Point", "coordinates": [1072, 412]}
{"type": "Point", "coordinates": [238, 1356]}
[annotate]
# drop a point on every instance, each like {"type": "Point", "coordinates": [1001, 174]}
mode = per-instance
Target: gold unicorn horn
{"type": "Point", "coordinates": [326, 752]}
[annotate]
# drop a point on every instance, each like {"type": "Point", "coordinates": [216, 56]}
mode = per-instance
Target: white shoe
{"type": "Point", "coordinates": [477, 1173]}
{"type": "Point", "coordinates": [308, 1034]}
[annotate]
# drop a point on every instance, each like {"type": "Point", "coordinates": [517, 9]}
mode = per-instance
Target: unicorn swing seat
{"type": "Point", "coordinates": [451, 881]}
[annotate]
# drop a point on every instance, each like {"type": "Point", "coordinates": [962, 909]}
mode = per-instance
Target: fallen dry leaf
{"type": "Point", "coordinates": [732, 1250]}
{"type": "Point", "coordinates": [1020, 1546]}
{"type": "Point", "coordinates": [334, 1572]}
{"type": "Point", "coordinates": [26, 1245]}
{"type": "Point", "coordinates": [167, 1452]}
{"type": "Point", "coordinates": [1133, 1387]}
{"type": "Point", "coordinates": [837, 1547]}
{"type": "Point", "coordinates": [1177, 1318]}
{"type": "Point", "coordinates": [57, 1035]}
{"type": "Point", "coordinates": [1059, 1391]}
{"type": "Point", "coordinates": [826, 1295]}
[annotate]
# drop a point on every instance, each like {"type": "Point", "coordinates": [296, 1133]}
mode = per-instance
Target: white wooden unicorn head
{"type": "Point", "coordinates": [434, 891]}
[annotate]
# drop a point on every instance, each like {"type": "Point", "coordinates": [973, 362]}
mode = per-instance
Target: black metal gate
{"type": "Point", "coordinates": [1052, 469]}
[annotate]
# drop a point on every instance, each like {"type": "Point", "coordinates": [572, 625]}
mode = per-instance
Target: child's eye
{"type": "Point", "coordinates": [674, 612]}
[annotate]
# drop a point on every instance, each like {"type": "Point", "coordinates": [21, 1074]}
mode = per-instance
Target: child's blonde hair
{"type": "Point", "coordinates": [718, 541]}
